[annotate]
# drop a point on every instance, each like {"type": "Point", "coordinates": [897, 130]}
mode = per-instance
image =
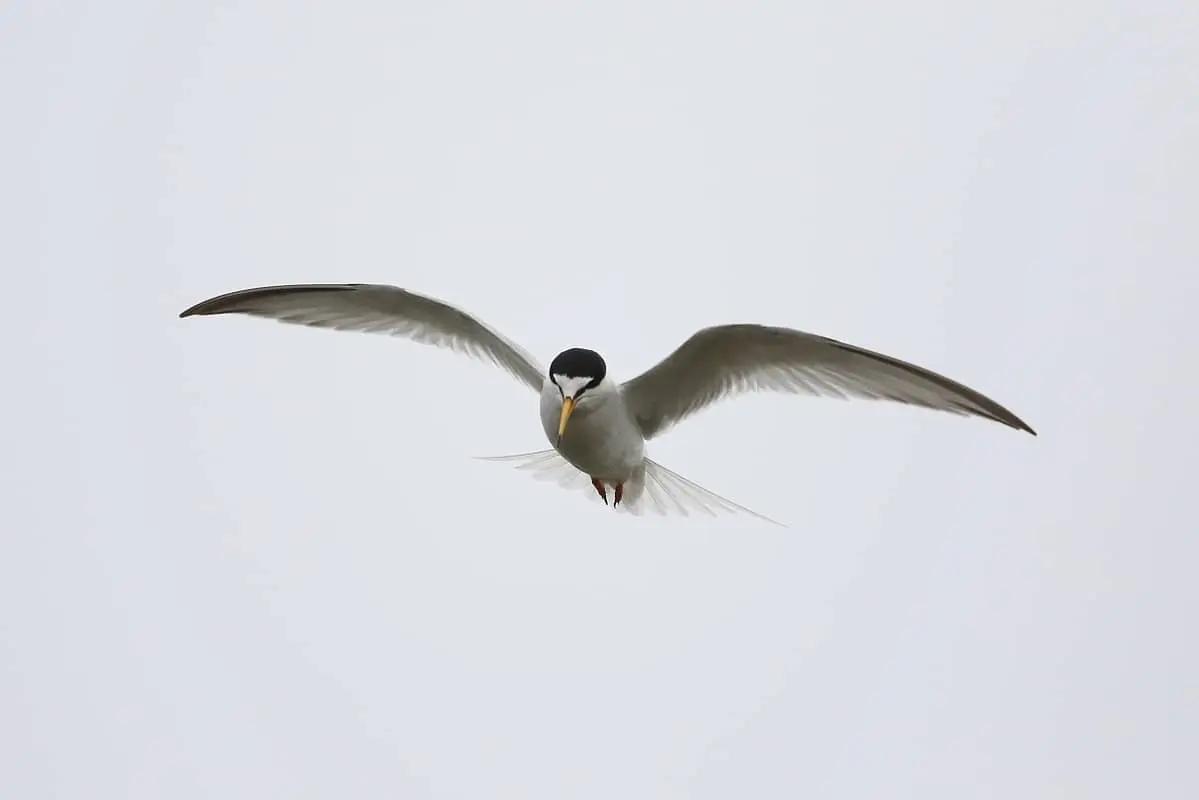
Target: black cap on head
{"type": "Point", "coordinates": [579, 362]}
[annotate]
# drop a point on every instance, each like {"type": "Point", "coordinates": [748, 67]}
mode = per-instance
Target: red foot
{"type": "Point", "coordinates": [603, 493]}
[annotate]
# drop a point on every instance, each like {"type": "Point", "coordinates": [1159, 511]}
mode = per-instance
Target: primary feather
{"type": "Point", "coordinates": [377, 308]}
{"type": "Point", "coordinates": [726, 360]}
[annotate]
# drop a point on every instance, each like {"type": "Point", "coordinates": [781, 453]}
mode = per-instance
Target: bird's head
{"type": "Point", "coordinates": [581, 378]}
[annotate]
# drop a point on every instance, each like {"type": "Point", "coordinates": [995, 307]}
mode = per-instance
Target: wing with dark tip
{"type": "Point", "coordinates": [730, 359]}
{"type": "Point", "coordinates": [376, 308]}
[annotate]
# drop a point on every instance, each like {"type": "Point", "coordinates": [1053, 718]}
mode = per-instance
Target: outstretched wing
{"type": "Point", "coordinates": [376, 308]}
{"type": "Point", "coordinates": [730, 359]}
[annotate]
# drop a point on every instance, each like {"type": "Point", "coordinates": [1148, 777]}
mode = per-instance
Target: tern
{"type": "Point", "coordinates": [598, 428]}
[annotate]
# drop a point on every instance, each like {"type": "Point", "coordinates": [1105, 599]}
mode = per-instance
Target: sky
{"type": "Point", "coordinates": [246, 560]}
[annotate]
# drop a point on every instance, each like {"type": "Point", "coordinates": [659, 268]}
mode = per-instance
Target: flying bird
{"type": "Point", "coordinates": [598, 428]}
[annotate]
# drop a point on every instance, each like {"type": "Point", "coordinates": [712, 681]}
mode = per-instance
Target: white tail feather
{"type": "Point", "coordinates": [547, 465]}
{"type": "Point", "coordinates": [652, 488]}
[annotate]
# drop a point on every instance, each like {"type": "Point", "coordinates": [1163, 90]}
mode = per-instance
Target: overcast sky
{"type": "Point", "coordinates": [246, 560]}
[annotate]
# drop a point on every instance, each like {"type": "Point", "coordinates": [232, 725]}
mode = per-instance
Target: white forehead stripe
{"type": "Point", "coordinates": [571, 386]}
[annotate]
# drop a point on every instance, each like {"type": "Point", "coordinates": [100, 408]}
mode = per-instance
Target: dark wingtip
{"type": "Point", "coordinates": [1010, 420]}
{"type": "Point", "coordinates": [1021, 425]}
{"type": "Point", "coordinates": [206, 307]}
{"type": "Point", "coordinates": [232, 301]}
{"type": "Point", "coordinates": [1015, 423]}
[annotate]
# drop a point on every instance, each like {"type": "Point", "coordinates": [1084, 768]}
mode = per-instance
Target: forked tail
{"type": "Point", "coordinates": [652, 489]}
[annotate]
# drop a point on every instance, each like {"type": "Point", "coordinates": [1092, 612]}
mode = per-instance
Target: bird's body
{"type": "Point", "coordinates": [598, 428]}
{"type": "Point", "coordinates": [602, 440]}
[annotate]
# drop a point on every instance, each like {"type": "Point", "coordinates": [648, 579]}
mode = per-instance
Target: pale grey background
{"type": "Point", "coordinates": [244, 560]}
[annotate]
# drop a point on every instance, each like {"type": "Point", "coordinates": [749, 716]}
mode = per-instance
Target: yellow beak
{"type": "Point", "coordinates": [568, 408]}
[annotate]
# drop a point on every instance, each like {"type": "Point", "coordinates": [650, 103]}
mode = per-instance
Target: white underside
{"type": "Point", "coordinates": [602, 441]}
{"type": "Point", "coordinates": [601, 438]}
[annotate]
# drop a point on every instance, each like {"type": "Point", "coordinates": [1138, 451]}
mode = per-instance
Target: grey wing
{"type": "Point", "coordinates": [731, 359]}
{"type": "Point", "coordinates": [377, 308]}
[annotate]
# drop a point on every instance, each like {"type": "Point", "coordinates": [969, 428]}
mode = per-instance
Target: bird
{"type": "Point", "coordinates": [598, 428]}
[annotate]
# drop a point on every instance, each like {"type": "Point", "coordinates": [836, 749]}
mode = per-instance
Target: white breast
{"type": "Point", "coordinates": [601, 439]}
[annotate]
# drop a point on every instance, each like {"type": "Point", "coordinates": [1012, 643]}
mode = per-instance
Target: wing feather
{"type": "Point", "coordinates": [377, 308]}
{"type": "Point", "coordinates": [726, 360]}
